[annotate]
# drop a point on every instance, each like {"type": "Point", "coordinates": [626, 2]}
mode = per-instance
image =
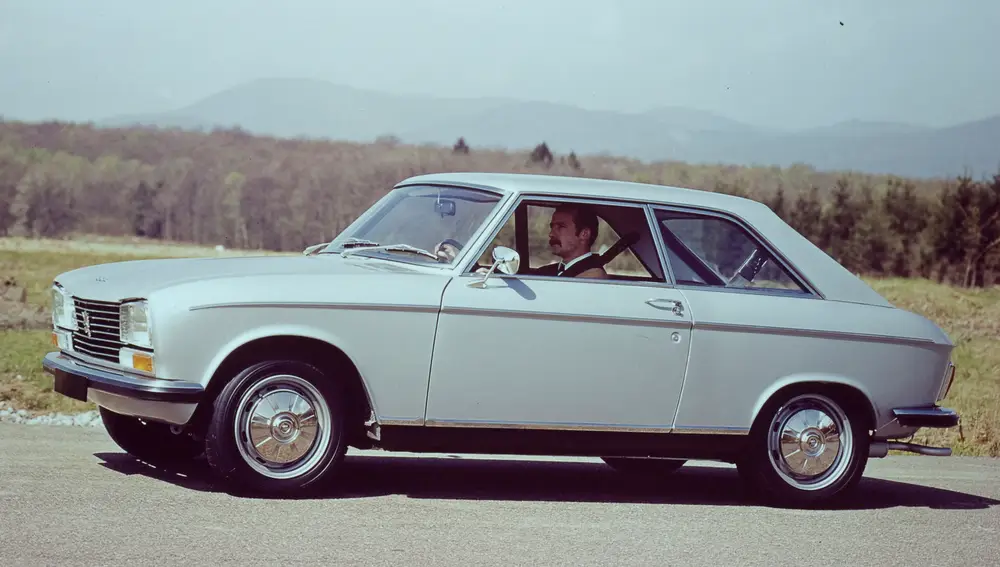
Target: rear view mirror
{"type": "Point", "coordinates": [444, 207]}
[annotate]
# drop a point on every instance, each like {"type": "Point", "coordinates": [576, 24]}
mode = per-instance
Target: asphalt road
{"type": "Point", "coordinates": [70, 496]}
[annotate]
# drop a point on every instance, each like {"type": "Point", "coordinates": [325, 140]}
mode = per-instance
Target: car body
{"type": "Point", "coordinates": [272, 366]}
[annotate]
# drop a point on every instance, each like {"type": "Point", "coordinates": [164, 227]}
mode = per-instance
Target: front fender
{"type": "Point", "coordinates": [383, 323]}
{"type": "Point", "coordinates": [305, 332]}
{"type": "Point", "coordinates": [389, 346]}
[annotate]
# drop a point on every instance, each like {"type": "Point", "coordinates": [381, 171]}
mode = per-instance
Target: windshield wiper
{"type": "Point", "coordinates": [358, 247]}
{"type": "Point", "coordinates": [355, 242]}
{"type": "Point", "coordinates": [352, 243]}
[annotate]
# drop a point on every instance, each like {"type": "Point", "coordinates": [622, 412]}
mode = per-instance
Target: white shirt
{"type": "Point", "coordinates": [565, 266]}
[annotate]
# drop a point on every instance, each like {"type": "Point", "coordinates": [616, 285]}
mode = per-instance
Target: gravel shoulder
{"type": "Point", "coordinates": [13, 415]}
{"type": "Point", "coordinates": [69, 496]}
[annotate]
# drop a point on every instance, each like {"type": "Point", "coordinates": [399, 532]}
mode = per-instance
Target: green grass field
{"type": "Point", "coordinates": [971, 318]}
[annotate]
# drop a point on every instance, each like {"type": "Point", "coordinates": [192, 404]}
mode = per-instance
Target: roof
{"type": "Point", "coordinates": [590, 187]}
{"type": "Point", "coordinates": [831, 279]}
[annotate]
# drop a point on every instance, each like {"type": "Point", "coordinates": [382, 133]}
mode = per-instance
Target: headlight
{"type": "Point", "coordinates": [63, 309]}
{"type": "Point", "coordinates": [136, 328]}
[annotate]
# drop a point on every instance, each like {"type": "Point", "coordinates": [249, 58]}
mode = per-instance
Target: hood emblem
{"type": "Point", "coordinates": [101, 279]}
{"type": "Point", "coordinates": [85, 324]}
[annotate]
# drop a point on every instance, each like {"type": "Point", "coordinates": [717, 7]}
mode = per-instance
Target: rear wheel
{"type": "Point", "coordinates": [805, 448]}
{"type": "Point", "coordinates": [278, 426]}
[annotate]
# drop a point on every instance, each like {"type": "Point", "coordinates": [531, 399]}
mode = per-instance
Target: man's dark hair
{"type": "Point", "coordinates": [583, 217]}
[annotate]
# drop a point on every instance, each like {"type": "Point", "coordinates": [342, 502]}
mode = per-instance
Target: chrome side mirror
{"type": "Point", "coordinates": [505, 259]}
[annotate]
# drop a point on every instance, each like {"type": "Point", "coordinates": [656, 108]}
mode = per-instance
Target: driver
{"type": "Point", "coordinates": [572, 233]}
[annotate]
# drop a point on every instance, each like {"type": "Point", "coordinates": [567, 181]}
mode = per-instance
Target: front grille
{"type": "Point", "coordinates": [101, 319]}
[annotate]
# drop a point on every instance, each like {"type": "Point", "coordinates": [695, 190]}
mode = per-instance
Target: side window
{"type": "Point", "coordinates": [626, 264]}
{"type": "Point", "coordinates": [638, 261]}
{"type": "Point", "coordinates": [707, 250]}
{"type": "Point", "coordinates": [538, 236]}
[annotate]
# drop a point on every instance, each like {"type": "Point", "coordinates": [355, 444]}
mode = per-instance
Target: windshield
{"type": "Point", "coordinates": [411, 222]}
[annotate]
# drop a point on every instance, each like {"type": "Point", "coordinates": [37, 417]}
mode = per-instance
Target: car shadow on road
{"type": "Point", "coordinates": [454, 478]}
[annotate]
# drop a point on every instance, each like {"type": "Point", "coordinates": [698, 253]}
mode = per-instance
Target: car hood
{"type": "Point", "coordinates": [117, 281]}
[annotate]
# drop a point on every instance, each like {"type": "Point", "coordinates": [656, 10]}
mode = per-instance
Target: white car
{"type": "Point", "coordinates": [701, 327]}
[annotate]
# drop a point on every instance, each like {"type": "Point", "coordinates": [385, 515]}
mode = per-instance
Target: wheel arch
{"type": "Point", "coordinates": [849, 392]}
{"type": "Point", "coordinates": [328, 357]}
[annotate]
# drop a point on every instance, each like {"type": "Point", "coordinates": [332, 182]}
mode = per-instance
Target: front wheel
{"type": "Point", "coordinates": [278, 426]}
{"type": "Point", "coordinates": [805, 449]}
{"type": "Point", "coordinates": [149, 441]}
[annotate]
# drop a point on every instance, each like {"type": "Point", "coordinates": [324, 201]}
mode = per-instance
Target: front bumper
{"type": "Point", "coordinates": [933, 416]}
{"type": "Point", "coordinates": [74, 379]}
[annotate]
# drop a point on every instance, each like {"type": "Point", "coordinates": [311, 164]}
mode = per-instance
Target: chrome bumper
{"type": "Point", "coordinates": [925, 416]}
{"type": "Point", "coordinates": [933, 416]}
{"type": "Point", "coordinates": [73, 379]}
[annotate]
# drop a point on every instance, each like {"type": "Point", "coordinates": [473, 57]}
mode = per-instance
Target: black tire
{"type": "Point", "coordinates": [838, 460]}
{"type": "Point", "coordinates": [149, 441]}
{"type": "Point", "coordinates": [644, 466]}
{"type": "Point", "coordinates": [230, 450]}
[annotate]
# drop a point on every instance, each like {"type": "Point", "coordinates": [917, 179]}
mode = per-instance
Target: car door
{"type": "Point", "coordinates": [553, 352]}
{"type": "Point", "coordinates": [755, 319]}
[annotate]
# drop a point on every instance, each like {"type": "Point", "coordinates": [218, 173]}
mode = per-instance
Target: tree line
{"type": "Point", "coordinates": [246, 191]}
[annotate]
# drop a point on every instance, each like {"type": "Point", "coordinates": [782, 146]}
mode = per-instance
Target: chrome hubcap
{"type": "Point", "coordinates": [810, 442]}
{"type": "Point", "coordinates": [283, 426]}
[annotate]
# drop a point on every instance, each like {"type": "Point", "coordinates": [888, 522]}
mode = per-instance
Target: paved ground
{"type": "Point", "coordinates": [70, 496]}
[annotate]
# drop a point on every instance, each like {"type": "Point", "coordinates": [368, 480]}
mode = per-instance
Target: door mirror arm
{"type": "Point", "coordinates": [507, 260]}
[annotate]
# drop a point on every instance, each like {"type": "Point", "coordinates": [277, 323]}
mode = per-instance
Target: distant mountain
{"type": "Point", "coordinates": [311, 108]}
{"type": "Point", "coordinates": [693, 119]}
{"type": "Point", "coordinates": [319, 109]}
{"type": "Point", "coordinates": [854, 127]}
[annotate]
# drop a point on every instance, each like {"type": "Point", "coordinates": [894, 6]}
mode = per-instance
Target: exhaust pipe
{"type": "Point", "coordinates": [880, 449]}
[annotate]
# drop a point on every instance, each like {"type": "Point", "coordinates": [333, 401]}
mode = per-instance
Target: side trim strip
{"type": "Point", "coordinates": [842, 335]}
{"type": "Point", "coordinates": [304, 305]}
{"type": "Point", "coordinates": [599, 427]}
{"type": "Point", "coordinates": [685, 323]}
{"type": "Point", "coordinates": [606, 319]}
{"type": "Point", "coordinates": [702, 430]}
{"type": "Point", "coordinates": [400, 421]}
{"type": "Point", "coordinates": [546, 426]}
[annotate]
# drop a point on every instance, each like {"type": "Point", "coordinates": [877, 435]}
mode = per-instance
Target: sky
{"type": "Point", "coordinates": [775, 63]}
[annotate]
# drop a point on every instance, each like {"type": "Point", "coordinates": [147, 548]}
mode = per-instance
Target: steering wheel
{"type": "Point", "coordinates": [447, 250]}
{"type": "Point", "coordinates": [750, 268]}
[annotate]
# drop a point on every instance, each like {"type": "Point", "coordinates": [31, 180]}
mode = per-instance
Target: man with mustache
{"type": "Point", "coordinates": [572, 233]}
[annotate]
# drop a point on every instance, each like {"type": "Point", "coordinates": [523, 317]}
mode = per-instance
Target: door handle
{"type": "Point", "coordinates": [672, 304]}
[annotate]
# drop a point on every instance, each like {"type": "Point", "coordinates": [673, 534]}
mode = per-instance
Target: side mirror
{"type": "Point", "coordinates": [314, 249]}
{"type": "Point", "coordinates": [505, 259]}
